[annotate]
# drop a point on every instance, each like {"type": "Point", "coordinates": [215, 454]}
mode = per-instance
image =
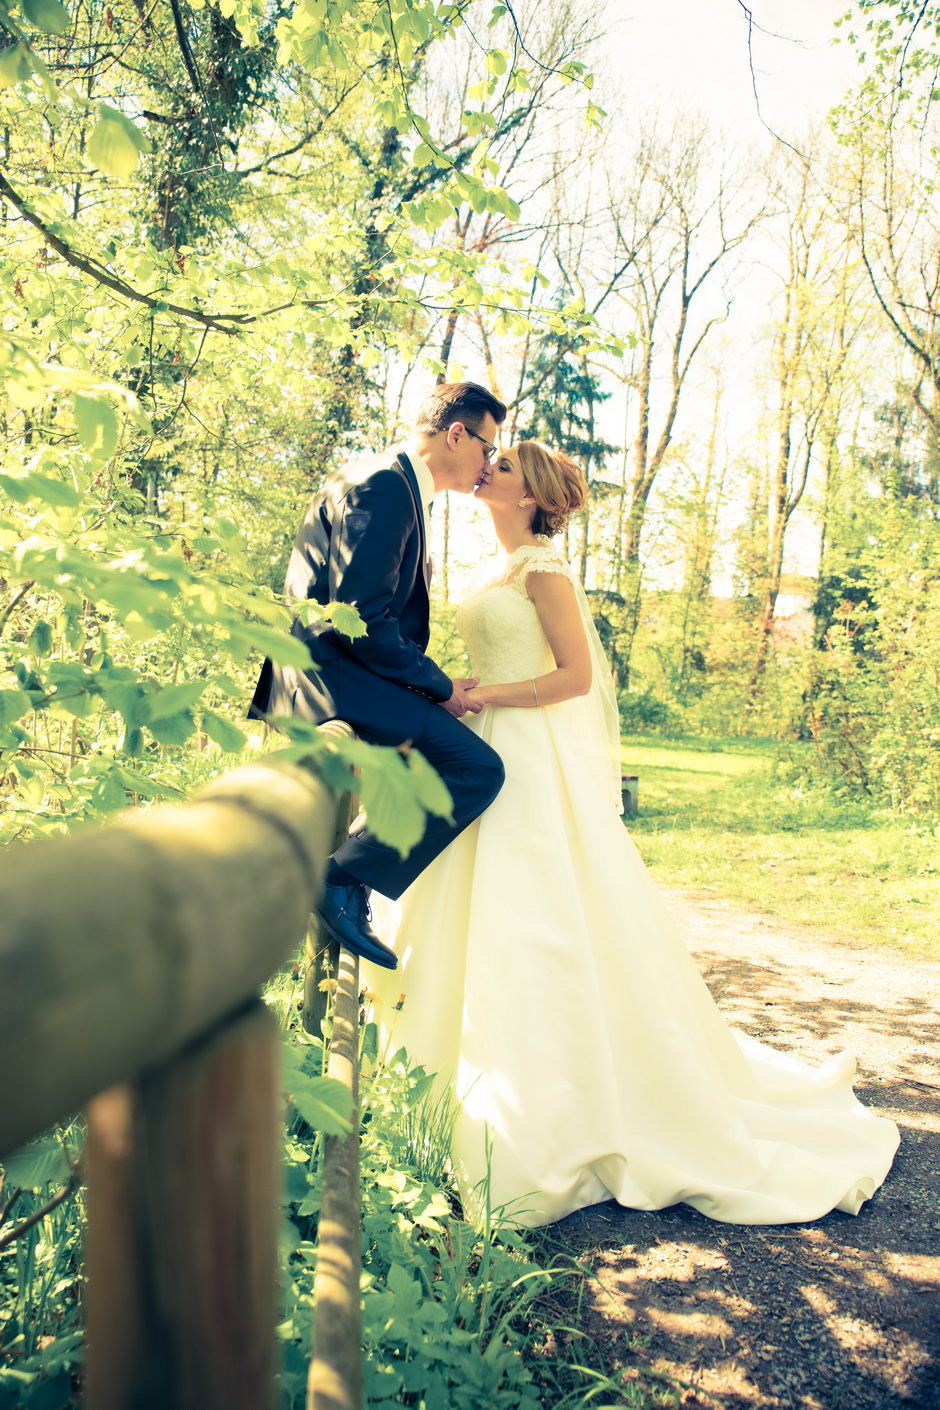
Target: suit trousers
{"type": "Point", "coordinates": [386, 713]}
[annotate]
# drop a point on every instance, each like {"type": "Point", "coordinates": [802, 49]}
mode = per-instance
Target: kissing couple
{"type": "Point", "coordinates": [546, 983]}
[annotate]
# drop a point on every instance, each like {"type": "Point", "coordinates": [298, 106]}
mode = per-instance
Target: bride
{"type": "Point", "coordinates": [544, 978]}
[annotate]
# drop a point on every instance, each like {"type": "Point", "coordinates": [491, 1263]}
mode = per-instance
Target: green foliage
{"type": "Point", "coordinates": [41, 1348]}
{"type": "Point", "coordinates": [444, 1306]}
{"type": "Point", "coordinates": [751, 820]}
{"type": "Point", "coordinates": [217, 250]}
{"type": "Point", "coordinates": [898, 46]}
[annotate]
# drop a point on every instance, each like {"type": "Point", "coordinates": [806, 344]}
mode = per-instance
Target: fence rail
{"type": "Point", "coordinates": [130, 962]}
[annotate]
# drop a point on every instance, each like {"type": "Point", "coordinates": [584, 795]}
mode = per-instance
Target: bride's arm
{"type": "Point", "coordinates": [553, 597]}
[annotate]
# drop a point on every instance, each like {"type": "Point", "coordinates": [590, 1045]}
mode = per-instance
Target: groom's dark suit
{"type": "Point", "coordinates": [362, 541]}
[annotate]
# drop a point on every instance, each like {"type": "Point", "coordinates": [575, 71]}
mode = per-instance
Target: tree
{"type": "Point", "coordinates": [165, 377]}
{"type": "Point", "coordinates": [810, 342]}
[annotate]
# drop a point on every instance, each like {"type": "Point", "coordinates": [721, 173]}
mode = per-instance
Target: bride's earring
{"type": "Point", "coordinates": [523, 503]}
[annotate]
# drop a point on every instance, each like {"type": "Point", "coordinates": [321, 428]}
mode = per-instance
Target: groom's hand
{"type": "Point", "coordinates": [461, 701]}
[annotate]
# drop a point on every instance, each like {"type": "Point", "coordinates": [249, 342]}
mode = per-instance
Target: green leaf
{"type": "Point", "coordinates": [172, 699]}
{"type": "Point", "coordinates": [389, 799]}
{"type": "Point", "coordinates": [345, 619]}
{"type": "Point", "coordinates": [96, 424]}
{"type": "Point", "coordinates": [147, 787]}
{"type": "Point", "coordinates": [430, 789]}
{"type": "Point", "coordinates": [496, 61]}
{"type": "Point", "coordinates": [227, 736]}
{"type": "Point", "coordinates": [50, 16]}
{"type": "Point", "coordinates": [116, 144]}
{"type": "Point", "coordinates": [25, 488]}
{"type": "Point", "coordinates": [14, 704]}
{"type": "Point", "coordinates": [108, 795]}
{"type": "Point", "coordinates": [335, 772]}
{"type": "Point", "coordinates": [14, 66]}
{"type": "Point", "coordinates": [230, 687]}
{"type": "Point", "coordinates": [57, 492]}
{"type": "Point", "coordinates": [42, 1163]}
{"type": "Point", "coordinates": [133, 743]}
{"type": "Point", "coordinates": [323, 1102]}
{"type": "Point", "coordinates": [17, 487]}
{"type": "Point", "coordinates": [40, 639]}
{"type": "Point", "coordinates": [127, 697]}
{"type": "Point", "coordinates": [370, 1041]}
{"type": "Point", "coordinates": [283, 648]}
{"type": "Point", "coordinates": [175, 729]}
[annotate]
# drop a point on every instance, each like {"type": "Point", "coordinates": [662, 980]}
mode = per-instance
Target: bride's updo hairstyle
{"type": "Point", "coordinates": [555, 482]}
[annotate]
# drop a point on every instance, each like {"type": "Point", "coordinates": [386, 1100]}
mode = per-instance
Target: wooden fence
{"type": "Point", "coordinates": [130, 963]}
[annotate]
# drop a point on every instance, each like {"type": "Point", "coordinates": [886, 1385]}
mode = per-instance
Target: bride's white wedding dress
{"type": "Point", "coordinates": [544, 977]}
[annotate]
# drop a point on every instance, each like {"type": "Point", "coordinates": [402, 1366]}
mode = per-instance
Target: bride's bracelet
{"type": "Point", "coordinates": [535, 692]}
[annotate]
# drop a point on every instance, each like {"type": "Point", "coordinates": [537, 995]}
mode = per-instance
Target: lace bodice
{"type": "Point", "coordinates": [499, 623]}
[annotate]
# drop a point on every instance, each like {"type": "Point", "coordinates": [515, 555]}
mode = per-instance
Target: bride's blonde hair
{"type": "Point", "coordinates": [554, 481]}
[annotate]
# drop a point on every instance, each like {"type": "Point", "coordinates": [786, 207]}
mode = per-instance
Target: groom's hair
{"type": "Point", "coordinates": [467, 402]}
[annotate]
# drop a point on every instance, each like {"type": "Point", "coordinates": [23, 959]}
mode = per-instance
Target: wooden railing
{"type": "Point", "coordinates": [130, 963]}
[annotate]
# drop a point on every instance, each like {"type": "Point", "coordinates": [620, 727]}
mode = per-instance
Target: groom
{"type": "Point", "coordinates": [364, 541]}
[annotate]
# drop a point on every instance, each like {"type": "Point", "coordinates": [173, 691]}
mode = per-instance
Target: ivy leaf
{"type": "Point", "coordinates": [172, 699]}
{"type": "Point", "coordinates": [227, 736]}
{"type": "Point", "coordinates": [323, 1102]}
{"type": "Point", "coordinates": [49, 16]}
{"type": "Point", "coordinates": [116, 144]}
{"type": "Point", "coordinates": [96, 424]}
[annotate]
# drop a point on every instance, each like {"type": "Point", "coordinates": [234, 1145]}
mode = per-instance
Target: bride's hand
{"type": "Point", "coordinates": [477, 694]}
{"type": "Point", "coordinates": [462, 699]}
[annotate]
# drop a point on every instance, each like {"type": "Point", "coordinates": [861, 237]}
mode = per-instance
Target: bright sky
{"type": "Point", "coordinates": [663, 55]}
{"type": "Point", "coordinates": [694, 53]}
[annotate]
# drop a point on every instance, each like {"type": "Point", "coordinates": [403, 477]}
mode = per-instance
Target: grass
{"type": "Point", "coordinates": [727, 816]}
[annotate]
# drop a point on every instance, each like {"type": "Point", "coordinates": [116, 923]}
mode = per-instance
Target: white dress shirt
{"type": "Point", "coordinates": [425, 489]}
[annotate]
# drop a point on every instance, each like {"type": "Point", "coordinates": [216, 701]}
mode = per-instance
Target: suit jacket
{"type": "Point", "coordinates": [361, 541]}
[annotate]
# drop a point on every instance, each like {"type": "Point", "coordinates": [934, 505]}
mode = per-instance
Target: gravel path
{"type": "Point", "coordinates": [841, 1314]}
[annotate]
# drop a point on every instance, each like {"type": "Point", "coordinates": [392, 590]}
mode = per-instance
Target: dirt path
{"type": "Point", "coordinates": [841, 1314]}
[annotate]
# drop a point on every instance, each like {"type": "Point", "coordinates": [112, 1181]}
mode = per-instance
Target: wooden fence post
{"type": "Point", "coordinates": [181, 1251]}
{"type": "Point", "coordinates": [335, 1378]}
{"type": "Point", "coordinates": [321, 950]}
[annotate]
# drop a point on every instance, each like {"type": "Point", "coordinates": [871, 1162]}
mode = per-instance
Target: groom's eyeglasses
{"type": "Point", "coordinates": [490, 450]}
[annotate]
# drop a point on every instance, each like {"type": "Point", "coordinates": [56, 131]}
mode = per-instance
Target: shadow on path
{"type": "Point", "coordinates": [839, 1314]}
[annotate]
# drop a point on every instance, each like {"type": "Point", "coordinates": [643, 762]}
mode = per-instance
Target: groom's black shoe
{"type": "Point", "coordinates": [344, 912]}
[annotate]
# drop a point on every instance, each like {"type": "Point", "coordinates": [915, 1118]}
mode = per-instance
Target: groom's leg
{"type": "Point", "coordinates": [473, 773]}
